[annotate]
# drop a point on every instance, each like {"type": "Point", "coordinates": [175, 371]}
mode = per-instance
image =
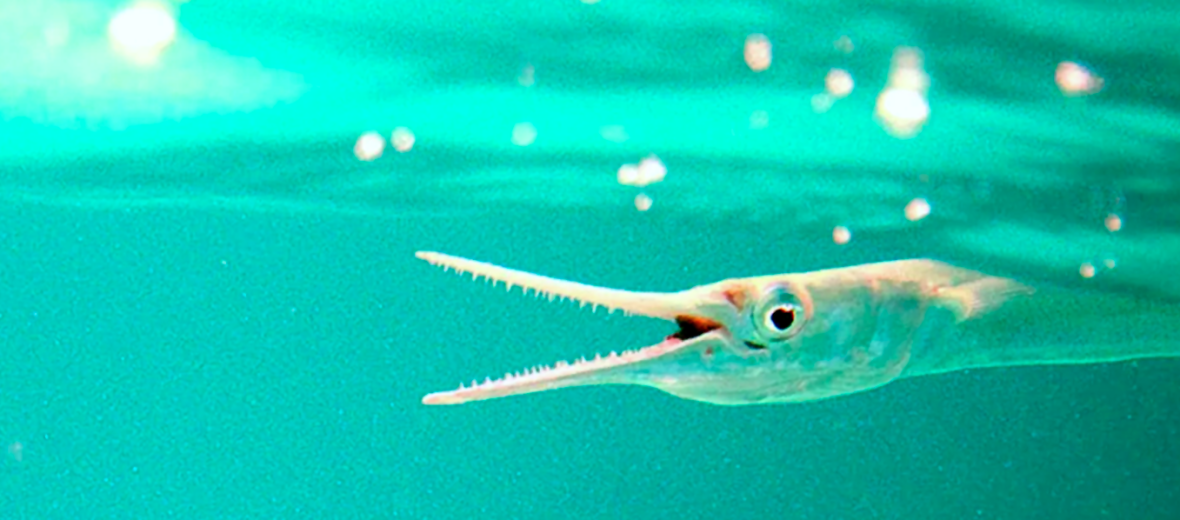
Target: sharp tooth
{"type": "Point", "coordinates": [597, 356]}
{"type": "Point", "coordinates": [487, 381]}
{"type": "Point", "coordinates": [613, 354]}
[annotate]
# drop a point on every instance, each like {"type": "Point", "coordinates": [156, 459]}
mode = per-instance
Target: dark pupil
{"type": "Point", "coordinates": [782, 318]}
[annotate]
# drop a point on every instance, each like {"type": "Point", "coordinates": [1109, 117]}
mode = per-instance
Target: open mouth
{"type": "Point", "coordinates": [626, 367]}
{"type": "Point", "coordinates": [693, 326]}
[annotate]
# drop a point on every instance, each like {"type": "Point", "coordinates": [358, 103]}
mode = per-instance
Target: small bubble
{"type": "Point", "coordinates": [402, 139]}
{"type": "Point", "coordinates": [838, 83]}
{"type": "Point", "coordinates": [614, 133]}
{"type": "Point", "coordinates": [527, 76]}
{"type": "Point", "coordinates": [821, 102]}
{"type": "Point", "coordinates": [759, 119]}
{"type": "Point", "coordinates": [1075, 79]}
{"type": "Point", "coordinates": [757, 52]}
{"type": "Point", "coordinates": [1086, 270]}
{"type": "Point", "coordinates": [369, 146]}
{"type": "Point", "coordinates": [652, 170]}
{"type": "Point", "coordinates": [628, 175]}
{"type": "Point", "coordinates": [841, 235]}
{"type": "Point", "coordinates": [917, 209]}
{"type": "Point", "coordinates": [649, 171]}
{"type": "Point", "coordinates": [523, 134]}
{"type": "Point", "coordinates": [643, 202]}
{"type": "Point", "coordinates": [1113, 223]}
{"type": "Point", "coordinates": [17, 451]}
{"type": "Point", "coordinates": [844, 44]}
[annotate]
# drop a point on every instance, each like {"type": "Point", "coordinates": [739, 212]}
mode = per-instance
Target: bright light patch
{"type": "Point", "coordinates": [901, 107]}
{"type": "Point", "coordinates": [142, 31]}
{"type": "Point", "coordinates": [902, 111]}
{"type": "Point", "coordinates": [77, 64]}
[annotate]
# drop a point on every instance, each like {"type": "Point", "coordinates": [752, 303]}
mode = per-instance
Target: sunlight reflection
{"type": "Point", "coordinates": [92, 65]}
{"type": "Point", "coordinates": [901, 107]}
{"type": "Point", "coordinates": [141, 31]}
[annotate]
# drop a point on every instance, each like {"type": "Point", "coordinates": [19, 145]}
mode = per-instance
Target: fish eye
{"type": "Point", "coordinates": [780, 314]}
{"type": "Point", "coordinates": [780, 317]}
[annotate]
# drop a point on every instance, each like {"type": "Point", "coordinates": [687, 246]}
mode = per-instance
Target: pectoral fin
{"type": "Point", "coordinates": [978, 297]}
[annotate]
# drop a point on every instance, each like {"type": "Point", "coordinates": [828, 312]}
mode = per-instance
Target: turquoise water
{"type": "Point", "coordinates": [212, 308]}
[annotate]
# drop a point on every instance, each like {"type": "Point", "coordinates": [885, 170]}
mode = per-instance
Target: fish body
{"type": "Point", "coordinates": [806, 336]}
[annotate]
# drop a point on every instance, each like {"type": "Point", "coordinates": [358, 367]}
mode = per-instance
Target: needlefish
{"type": "Point", "coordinates": [815, 335]}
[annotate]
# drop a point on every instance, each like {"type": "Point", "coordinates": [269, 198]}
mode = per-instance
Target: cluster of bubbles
{"type": "Point", "coordinates": [371, 145]}
{"type": "Point", "coordinates": [901, 109]}
{"type": "Point", "coordinates": [648, 171]}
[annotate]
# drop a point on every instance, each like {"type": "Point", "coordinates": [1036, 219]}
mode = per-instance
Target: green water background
{"type": "Point", "coordinates": [220, 315]}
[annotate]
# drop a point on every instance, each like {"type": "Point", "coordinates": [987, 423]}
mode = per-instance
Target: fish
{"type": "Point", "coordinates": [807, 336]}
